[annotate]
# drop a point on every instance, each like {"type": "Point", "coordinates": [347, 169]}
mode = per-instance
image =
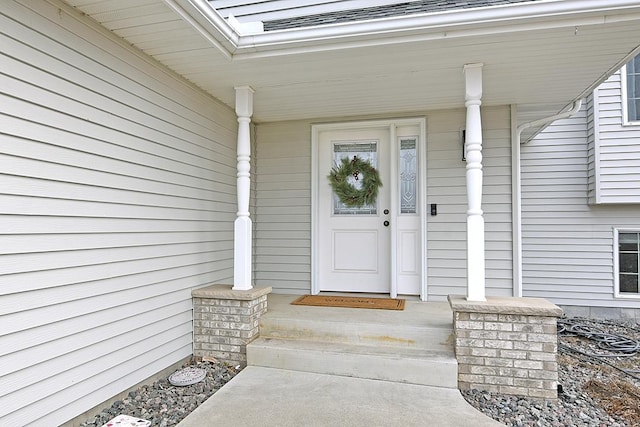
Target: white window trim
{"type": "Point", "coordinates": [625, 109]}
{"type": "Point", "coordinates": [616, 265]}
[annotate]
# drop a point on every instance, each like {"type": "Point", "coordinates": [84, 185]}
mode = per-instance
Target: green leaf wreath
{"type": "Point", "coordinates": [347, 193]}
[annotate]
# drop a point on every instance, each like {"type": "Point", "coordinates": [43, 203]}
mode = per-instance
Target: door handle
{"type": "Point", "coordinates": [386, 223]}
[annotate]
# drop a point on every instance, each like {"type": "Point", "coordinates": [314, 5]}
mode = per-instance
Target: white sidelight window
{"type": "Point", "coordinates": [631, 91]}
{"type": "Point", "coordinates": [408, 158]}
{"type": "Point", "coordinates": [627, 262]}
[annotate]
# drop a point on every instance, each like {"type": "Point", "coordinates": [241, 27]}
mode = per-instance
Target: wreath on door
{"type": "Point", "coordinates": [349, 194]}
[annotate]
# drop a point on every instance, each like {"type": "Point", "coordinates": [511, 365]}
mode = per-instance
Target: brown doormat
{"type": "Point", "coordinates": [350, 302]}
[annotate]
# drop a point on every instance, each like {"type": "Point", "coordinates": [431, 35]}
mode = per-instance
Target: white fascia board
{"type": "Point", "coordinates": [543, 14]}
{"type": "Point", "coordinates": [210, 24]}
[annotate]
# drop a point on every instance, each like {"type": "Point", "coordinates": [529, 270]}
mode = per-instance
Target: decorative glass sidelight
{"type": "Point", "coordinates": [408, 175]}
{"type": "Point", "coordinates": [367, 151]}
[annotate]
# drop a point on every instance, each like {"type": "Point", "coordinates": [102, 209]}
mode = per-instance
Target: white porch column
{"type": "Point", "coordinates": [475, 220]}
{"type": "Point", "coordinates": [242, 225]}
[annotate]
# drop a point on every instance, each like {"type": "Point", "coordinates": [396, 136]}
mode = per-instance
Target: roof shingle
{"type": "Point", "coordinates": [398, 9]}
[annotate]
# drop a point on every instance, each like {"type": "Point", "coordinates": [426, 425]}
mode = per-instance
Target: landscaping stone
{"type": "Point", "coordinates": [164, 404]}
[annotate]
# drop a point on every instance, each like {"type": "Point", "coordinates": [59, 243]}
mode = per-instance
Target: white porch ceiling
{"type": "Point", "coordinates": [540, 63]}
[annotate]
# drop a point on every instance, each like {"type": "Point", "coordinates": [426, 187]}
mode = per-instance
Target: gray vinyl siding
{"type": "Point", "coordinates": [615, 169]}
{"type": "Point", "coordinates": [283, 207]}
{"type": "Point", "coordinates": [446, 186]}
{"type": "Point", "coordinates": [567, 244]}
{"type": "Point", "coordinates": [117, 199]}
{"type": "Point", "coordinates": [283, 212]}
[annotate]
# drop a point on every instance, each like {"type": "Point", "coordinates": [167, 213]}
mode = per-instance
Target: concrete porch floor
{"type": "Point", "coordinates": [414, 313]}
{"type": "Point", "coordinates": [273, 396]}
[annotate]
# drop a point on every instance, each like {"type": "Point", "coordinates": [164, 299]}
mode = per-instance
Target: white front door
{"type": "Point", "coordinates": [375, 248]}
{"type": "Point", "coordinates": [354, 241]}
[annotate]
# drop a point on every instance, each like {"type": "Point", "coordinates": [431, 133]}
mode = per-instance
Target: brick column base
{"type": "Point", "coordinates": [507, 345]}
{"type": "Point", "coordinates": [225, 321]}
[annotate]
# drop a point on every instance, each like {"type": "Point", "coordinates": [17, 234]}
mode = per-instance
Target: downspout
{"type": "Point", "coordinates": [516, 182]}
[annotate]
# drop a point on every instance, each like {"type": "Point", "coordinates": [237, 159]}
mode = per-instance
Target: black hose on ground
{"type": "Point", "coordinates": [612, 345]}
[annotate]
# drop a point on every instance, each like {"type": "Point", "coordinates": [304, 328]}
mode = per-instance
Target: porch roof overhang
{"type": "Point", "coordinates": [539, 55]}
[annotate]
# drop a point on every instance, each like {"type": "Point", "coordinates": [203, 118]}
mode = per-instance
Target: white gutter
{"type": "Point", "coordinates": [437, 25]}
{"type": "Point", "coordinates": [516, 184]}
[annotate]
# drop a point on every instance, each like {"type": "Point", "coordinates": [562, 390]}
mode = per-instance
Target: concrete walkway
{"type": "Point", "coordinates": [268, 397]}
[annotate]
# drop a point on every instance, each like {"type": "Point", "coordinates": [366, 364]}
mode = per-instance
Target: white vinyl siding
{"type": "Point", "coordinates": [117, 199]}
{"type": "Point", "coordinates": [567, 244]}
{"type": "Point", "coordinates": [614, 168]}
{"type": "Point", "coordinates": [283, 215]}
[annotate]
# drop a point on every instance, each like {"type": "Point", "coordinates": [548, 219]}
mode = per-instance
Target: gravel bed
{"type": "Point", "coordinates": [593, 393]}
{"type": "Point", "coordinates": [164, 404]}
{"type": "Point", "coordinates": [574, 407]}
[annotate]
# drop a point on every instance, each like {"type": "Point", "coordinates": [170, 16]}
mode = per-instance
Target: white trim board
{"type": "Point", "coordinates": [616, 264]}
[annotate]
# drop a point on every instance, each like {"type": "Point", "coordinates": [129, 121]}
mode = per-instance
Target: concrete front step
{"type": "Point", "coordinates": [413, 346]}
{"type": "Point", "coordinates": [396, 364]}
{"type": "Point", "coordinates": [419, 325]}
{"type": "Point", "coordinates": [363, 332]}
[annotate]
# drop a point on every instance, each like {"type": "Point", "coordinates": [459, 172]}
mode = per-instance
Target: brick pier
{"type": "Point", "coordinates": [225, 321]}
{"type": "Point", "coordinates": [507, 345]}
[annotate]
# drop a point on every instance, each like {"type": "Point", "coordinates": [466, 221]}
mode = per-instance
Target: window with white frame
{"type": "Point", "coordinates": [631, 91]}
{"type": "Point", "coordinates": [627, 262]}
